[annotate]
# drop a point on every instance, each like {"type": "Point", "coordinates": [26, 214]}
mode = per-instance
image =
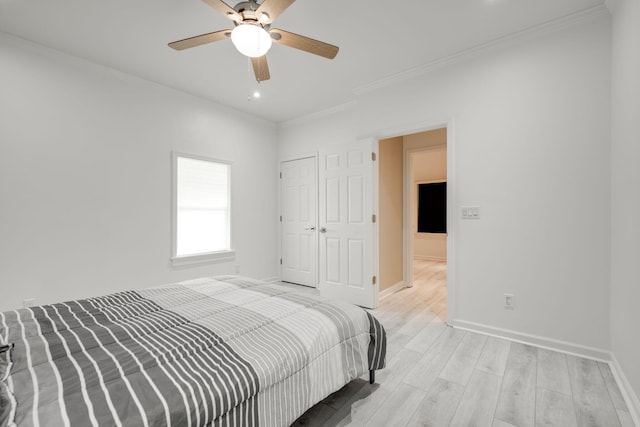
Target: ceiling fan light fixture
{"type": "Point", "coordinates": [251, 40]}
{"type": "Point", "coordinates": [233, 16]}
{"type": "Point", "coordinates": [264, 18]}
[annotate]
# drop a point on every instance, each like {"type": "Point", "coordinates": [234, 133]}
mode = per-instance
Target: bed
{"type": "Point", "coordinates": [224, 350]}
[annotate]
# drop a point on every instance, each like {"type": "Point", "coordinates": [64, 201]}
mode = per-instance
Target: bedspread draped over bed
{"type": "Point", "coordinates": [224, 351]}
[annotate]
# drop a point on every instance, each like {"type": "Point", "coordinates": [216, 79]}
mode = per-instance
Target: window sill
{"type": "Point", "coordinates": [211, 257]}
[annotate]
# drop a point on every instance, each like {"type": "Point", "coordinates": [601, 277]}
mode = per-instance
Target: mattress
{"type": "Point", "coordinates": [224, 350]}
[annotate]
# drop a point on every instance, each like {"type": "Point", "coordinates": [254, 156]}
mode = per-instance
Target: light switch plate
{"type": "Point", "coordinates": [471, 212]}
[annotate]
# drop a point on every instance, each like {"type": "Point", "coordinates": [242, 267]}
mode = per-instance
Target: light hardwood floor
{"type": "Point", "coordinates": [439, 376]}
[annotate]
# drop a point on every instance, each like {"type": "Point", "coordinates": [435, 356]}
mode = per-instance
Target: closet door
{"type": "Point", "coordinates": [299, 192]}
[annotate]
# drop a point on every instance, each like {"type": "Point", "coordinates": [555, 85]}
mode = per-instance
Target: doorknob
{"type": "Point", "coordinates": [310, 229]}
{"type": "Point", "coordinates": [323, 230]}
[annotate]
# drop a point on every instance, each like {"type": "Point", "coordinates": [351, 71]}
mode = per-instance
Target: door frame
{"type": "Point", "coordinates": [408, 129]}
{"type": "Point", "coordinates": [314, 155]}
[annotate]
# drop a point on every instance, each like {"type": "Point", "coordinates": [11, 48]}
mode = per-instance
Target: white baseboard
{"type": "Point", "coordinates": [535, 340]}
{"type": "Point", "coordinates": [430, 258]}
{"type": "Point", "coordinates": [630, 397]}
{"type": "Point", "coordinates": [391, 290]}
{"type": "Point", "coordinates": [271, 279]}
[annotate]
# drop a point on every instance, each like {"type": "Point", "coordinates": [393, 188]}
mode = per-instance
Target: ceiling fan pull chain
{"type": "Point", "coordinates": [249, 67]}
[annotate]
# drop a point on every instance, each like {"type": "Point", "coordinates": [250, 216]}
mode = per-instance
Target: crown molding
{"type": "Point", "coordinates": [98, 67]}
{"type": "Point", "coordinates": [318, 114]}
{"type": "Point", "coordinates": [612, 4]}
{"type": "Point", "coordinates": [583, 16]}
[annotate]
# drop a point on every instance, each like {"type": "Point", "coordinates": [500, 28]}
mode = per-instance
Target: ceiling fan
{"type": "Point", "coordinates": [253, 35]}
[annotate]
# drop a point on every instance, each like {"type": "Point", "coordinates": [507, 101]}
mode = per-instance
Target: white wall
{"type": "Point", "coordinates": [625, 195]}
{"type": "Point", "coordinates": [531, 148]}
{"type": "Point", "coordinates": [85, 178]}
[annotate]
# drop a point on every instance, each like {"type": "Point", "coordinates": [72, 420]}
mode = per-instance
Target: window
{"type": "Point", "coordinates": [202, 214]}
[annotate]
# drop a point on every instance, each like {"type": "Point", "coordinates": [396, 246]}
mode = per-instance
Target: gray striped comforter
{"type": "Point", "coordinates": [218, 351]}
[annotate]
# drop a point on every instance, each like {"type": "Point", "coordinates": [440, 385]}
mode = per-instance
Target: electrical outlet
{"type": "Point", "coordinates": [509, 301]}
{"type": "Point", "coordinates": [29, 302]}
{"type": "Point", "coordinates": [237, 269]}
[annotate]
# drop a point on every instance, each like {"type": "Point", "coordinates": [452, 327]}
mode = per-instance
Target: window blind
{"type": "Point", "coordinates": [203, 207]}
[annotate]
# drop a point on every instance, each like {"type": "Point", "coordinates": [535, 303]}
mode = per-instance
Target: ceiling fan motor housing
{"type": "Point", "coordinates": [247, 9]}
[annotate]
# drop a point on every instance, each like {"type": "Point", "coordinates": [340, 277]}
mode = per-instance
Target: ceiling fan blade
{"type": "Point", "coordinates": [273, 8]}
{"type": "Point", "coordinates": [304, 43]}
{"type": "Point", "coordinates": [222, 7]}
{"type": "Point", "coordinates": [200, 40]}
{"type": "Point", "coordinates": [261, 68]}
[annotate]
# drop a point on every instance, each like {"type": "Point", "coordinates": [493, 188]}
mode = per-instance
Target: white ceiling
{"type": "Point", "coordinates": [377, 39]}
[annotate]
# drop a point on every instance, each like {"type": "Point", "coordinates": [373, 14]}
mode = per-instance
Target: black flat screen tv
{"type": "Point", "coordinates": [432, 207]}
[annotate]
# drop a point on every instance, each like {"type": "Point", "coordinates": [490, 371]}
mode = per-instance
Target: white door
{"type": "Point", "coordinates": [299, 222]}
{"type": "Point", "coordinates": [346, 224]}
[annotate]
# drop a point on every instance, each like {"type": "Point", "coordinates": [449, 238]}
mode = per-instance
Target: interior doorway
{"type": "Point", "coordinates": [409, 255]}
